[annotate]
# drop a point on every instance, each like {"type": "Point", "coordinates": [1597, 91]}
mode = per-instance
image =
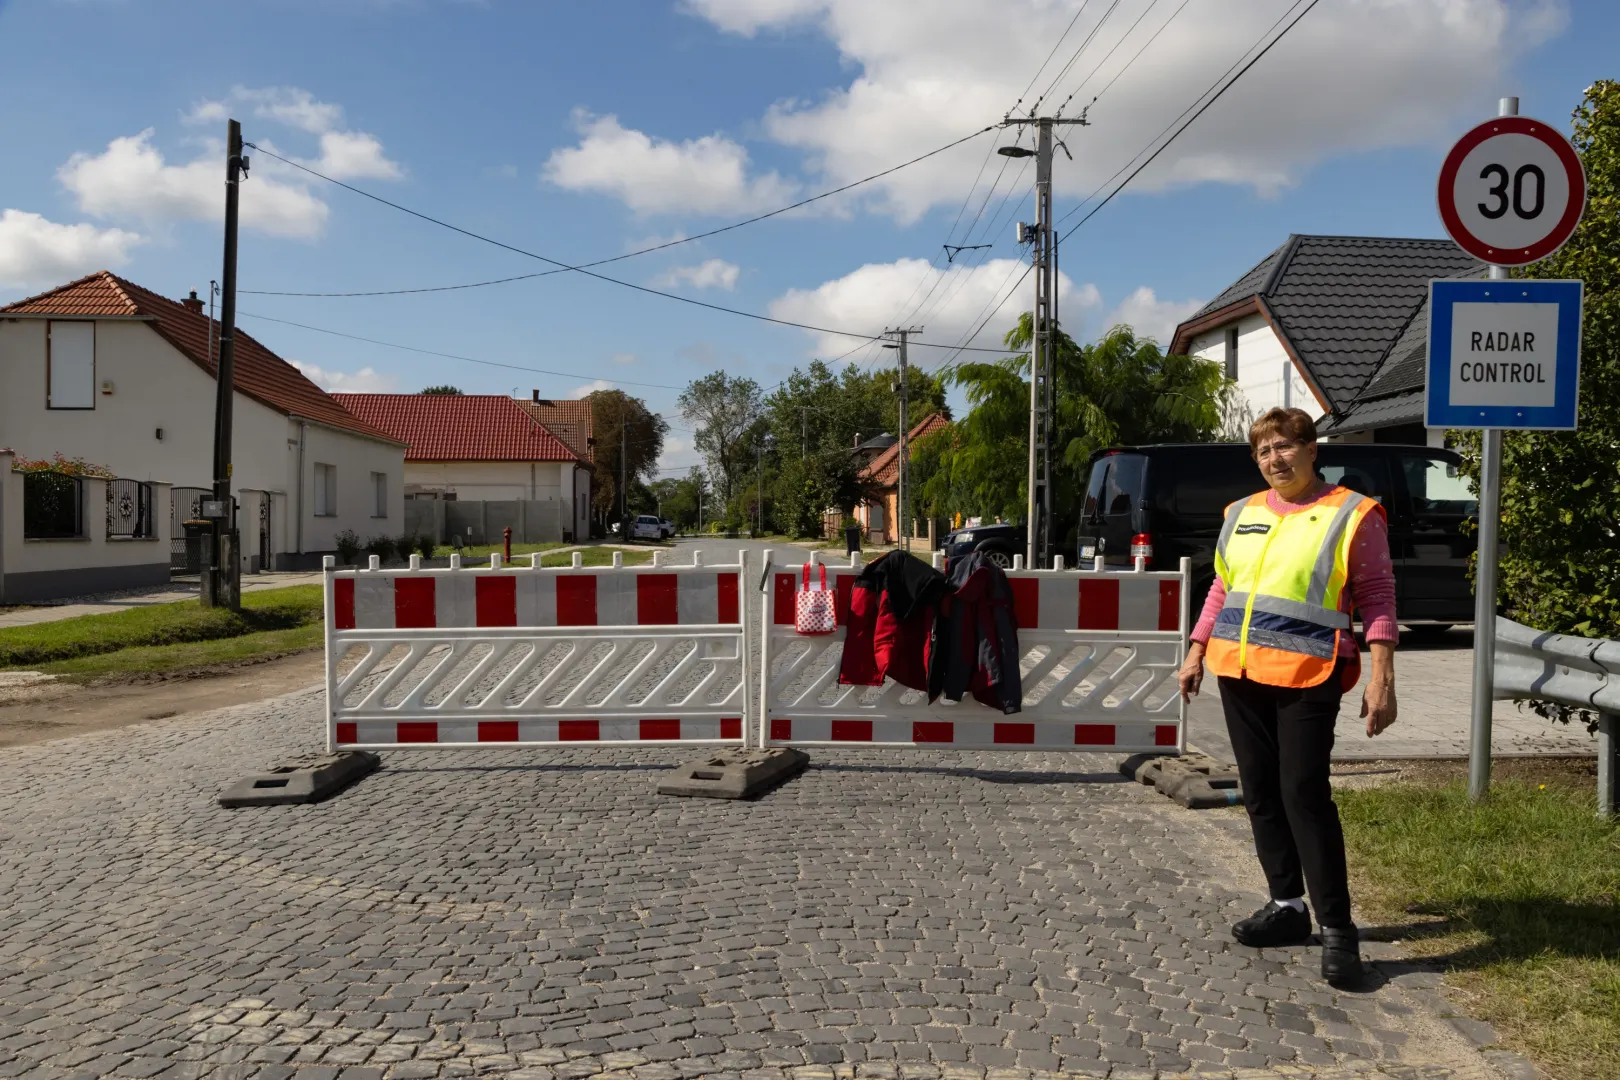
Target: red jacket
{"type": "Point", "coordinates": [891, 618]}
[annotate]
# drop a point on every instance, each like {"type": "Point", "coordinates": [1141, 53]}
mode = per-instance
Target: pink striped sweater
{"type": "Point", "coordinates": [1372, 579]}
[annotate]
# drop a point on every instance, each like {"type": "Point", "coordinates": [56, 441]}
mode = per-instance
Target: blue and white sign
{"type": "Point", "coordinates": [1503, 354]}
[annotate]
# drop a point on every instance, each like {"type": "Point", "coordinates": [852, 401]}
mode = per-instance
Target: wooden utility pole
{"type": "Point", "coordinates": [902, 479]}
{"type": "Point", "coordinates": [222, 582]}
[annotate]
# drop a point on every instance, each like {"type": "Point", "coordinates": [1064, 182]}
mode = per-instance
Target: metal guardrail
{"type": "Point", "coordinates": [1583, 673]}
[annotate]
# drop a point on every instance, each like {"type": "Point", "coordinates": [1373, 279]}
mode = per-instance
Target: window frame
{"type": "Point", "coordinates": [1231, 352]}
{"type": "Point", "coordinates": [325, 507]}
{"type": "Point", "coordinates": [50, 365]}
{"type": "Point", "coordinates": [379, 495]}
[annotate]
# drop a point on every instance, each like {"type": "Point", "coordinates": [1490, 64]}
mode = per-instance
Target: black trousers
{"type": "Point", "coordinates": [1283, 739]}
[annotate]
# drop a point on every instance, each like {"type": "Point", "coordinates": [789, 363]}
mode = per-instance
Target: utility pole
{"type": "Point", "coordinates": [1043, 335]}
{"type": "Point", "coordinates": [902, 484]}
{"type": "Point", "coordinates": [624, 517]}
{"type": "Point", "coordinates": [221, 586]}
{"type": "Point", "coordinates": [760, 512]}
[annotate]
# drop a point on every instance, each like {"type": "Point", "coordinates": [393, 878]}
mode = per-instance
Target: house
{"type": "Point", "coordinates": [1330, 324]}
{"type": "Point", "coordinates": [880, 513]}
{"type": "Point", "coordinates": [483, 448]}
{"type": "Point", "coordinates": [107, 371]}
{"type": "Point", "coordinates": [570, 421]}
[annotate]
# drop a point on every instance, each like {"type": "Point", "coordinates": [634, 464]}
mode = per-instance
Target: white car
{"type": "Point", "coordinates": [646, 527]}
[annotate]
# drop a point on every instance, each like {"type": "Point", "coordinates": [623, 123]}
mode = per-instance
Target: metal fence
{"type": "Point", "coordinates": [53, 506]}
{"type": "Point", "coordinates": [1580, 672]}
{"type": "Point", "coordinates": [185, 553]}
{"type": "Point", "coordinates": [129, 510]}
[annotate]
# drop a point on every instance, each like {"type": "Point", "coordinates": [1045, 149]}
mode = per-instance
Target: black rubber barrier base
{"type": "Point", "coordinates": [307, 780]}
{"type": "Point", "coordinates": [1194, 780]}
{"type": "Point", "coordinates": [736, 774]}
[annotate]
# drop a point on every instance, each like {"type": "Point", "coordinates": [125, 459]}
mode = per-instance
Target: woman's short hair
{"type": "Point", "coordinates": [1295, 424]}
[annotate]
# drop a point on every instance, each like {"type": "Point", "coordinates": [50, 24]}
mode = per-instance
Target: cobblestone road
{"type": "Point", "coordinates": [546, 914]}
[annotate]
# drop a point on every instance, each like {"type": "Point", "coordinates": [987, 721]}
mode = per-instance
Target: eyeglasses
{"type": "Point", "coordinates": [1279, 449]}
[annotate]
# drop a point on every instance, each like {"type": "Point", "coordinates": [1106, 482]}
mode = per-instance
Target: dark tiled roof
{"type": "Point", "coordinates": [1343, 301]}
{"type": "Point", "coordinates": [1402, 408]}
{"type": "Point", "coordinates": [258, 372]}
{"type": "Point", "coordinates": [459, 427]}
{"type": "Point", "coordinates": [570, 421]}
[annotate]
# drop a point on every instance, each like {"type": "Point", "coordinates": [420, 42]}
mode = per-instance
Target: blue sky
{"type": "Point", "coordinates": [583, 131]}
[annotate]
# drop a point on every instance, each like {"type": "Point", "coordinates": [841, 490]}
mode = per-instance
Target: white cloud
{"type": "Point", "coordinates": [132, 180]}
{"type": "Point", "coordinates": [365, 381]}
{"type": "Point", "coordinates": [952, 302]}
{"type": "Point", "coordinates": [1353, 75]}
{"type": "Point", "coordinates": [624, 358]}
{"type": "Point", "coordinates": [35, 252]}
{"type": "Point", "coordinates": [709, 274]}
{"type": "Point", "coordinates": [345, 155]}
{"type": "Point", "coordinates": [1149, 316]}
{"type": "Point", "coordinates": [657, 176]}
{"type": "Point", "coordinates": [589, 388]}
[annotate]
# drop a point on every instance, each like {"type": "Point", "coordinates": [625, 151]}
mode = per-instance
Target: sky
{"type": "Point", "coordinates": [581, 132]}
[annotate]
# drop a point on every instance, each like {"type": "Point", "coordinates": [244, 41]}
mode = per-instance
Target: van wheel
{"type": "Point", "coordinates": [997, 557]}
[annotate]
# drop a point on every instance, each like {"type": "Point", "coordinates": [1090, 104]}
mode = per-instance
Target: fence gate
{"type": "Point", "coordinates": [535, 657]}
{"type": "Point", "coordinates": [1100, 656]}
{"type": "Point", "coordinates": [185, 504]}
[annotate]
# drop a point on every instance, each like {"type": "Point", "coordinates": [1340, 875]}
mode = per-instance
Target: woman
{"type": "Point", "coordinates": [1291, 565]}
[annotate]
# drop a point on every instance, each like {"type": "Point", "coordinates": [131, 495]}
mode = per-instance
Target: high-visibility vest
{"type": "Point", "coordinates": [1284, 576]}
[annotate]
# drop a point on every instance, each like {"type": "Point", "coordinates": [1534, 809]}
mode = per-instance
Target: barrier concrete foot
{"type": "Point", "coordinates": [736, 774]}
{"type": "Point", "coordinates": [306, 780]}
{"type": "Point", "coordinates": [1196, 781]}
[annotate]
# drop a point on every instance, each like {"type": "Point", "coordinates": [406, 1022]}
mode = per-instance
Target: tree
{"type": "Point", "coordinates": [446, 388]}
{"type": "Point", "coordinates": [1561, 489]}
{"type": "Point", "coordinates": [724, 411]}
{"type": "Point", "coordinates": [1121, 389]}
{"type": "Point", "coordinates": [644, 430]}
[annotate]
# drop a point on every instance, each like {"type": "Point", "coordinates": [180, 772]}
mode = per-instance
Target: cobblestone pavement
{"type": "Point", "coordinates": [545, 914]}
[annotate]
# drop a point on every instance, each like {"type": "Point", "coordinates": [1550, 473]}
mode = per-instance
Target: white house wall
{"type": "Point", "coordinates": [1266, 377]}
{"type": "Point", "coordinates": [155, 386]}
{"type": "Point", "coordinates": [495, 480]}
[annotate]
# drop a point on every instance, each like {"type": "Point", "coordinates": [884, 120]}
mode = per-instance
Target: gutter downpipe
{"type": "Point", "coordinates": [299, 486]}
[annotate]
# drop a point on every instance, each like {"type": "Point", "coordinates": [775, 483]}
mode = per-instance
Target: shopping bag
{"type": "Point", "coordinates": [814, 611]}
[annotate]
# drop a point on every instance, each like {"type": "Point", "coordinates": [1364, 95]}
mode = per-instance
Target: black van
{"type": "Point", "coordinates": [1167, 502]}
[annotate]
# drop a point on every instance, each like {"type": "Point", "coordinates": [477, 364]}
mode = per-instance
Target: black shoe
{"type": "Point", "coordinates": [1341, 957]}
{"type": "Point", "coordinates": [1274, 926]}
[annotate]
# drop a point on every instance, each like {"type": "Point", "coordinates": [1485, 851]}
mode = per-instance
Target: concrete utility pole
{"type": "Point", "coordinates": [624, 519]}
{"type": "Point", "coordinates": [902, 482]}
{"type": "Point", "coordinates": [222, 582]}
{"type": "Point", "coordinates": [1043, 327]}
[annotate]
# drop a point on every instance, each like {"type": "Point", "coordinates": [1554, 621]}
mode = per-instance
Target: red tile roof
{"type": "Point", "coordinates": [570, 421]}
{"type": "Point", "coordinates": [884, 470]}
{"type": "Point", "coordinates": [259, 373]}
{"type": "Point", "coordinates": [459, 427]}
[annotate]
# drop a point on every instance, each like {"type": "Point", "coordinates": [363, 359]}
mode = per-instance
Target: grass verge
{"type": "Point", "coordinates": [202, 657]}
{"type": "Point", "coordinates": [270, 610]}
{"type": "Point", "coordinates": [596, 556]}
{"type": "Point", "coordinates": [1518, 897]}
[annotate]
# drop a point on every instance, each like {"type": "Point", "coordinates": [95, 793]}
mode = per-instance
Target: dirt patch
{"type": "Point", "coordinates": [1436, 772]}
{"type": "Point", "coordinates": [58, 710]}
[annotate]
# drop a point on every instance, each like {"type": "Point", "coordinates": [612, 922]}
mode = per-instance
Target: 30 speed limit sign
{"type": "Point", "coordinates": [1512, 191]}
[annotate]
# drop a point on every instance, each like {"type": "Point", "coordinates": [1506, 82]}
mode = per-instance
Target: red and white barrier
{"type": "Point", "coordinates": [536, 657]}
{"type": "Point", "coordinates": [1101, 652]}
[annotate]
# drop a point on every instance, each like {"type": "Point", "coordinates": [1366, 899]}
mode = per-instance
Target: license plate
{"type": "Point", "coordinates": [1088, 551]}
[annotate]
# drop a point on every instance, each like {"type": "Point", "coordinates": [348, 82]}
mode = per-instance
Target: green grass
{"type": "Point", "coordinates": [189, 656]}
{"type": "Point", "coordinates": [597, 556]}
{"type": "Point", "coordinates": [1526, 888]}
{"type": "Point", "coordinates": [445, 550]}
{"type": "Point", "coordinates": [159, 625]}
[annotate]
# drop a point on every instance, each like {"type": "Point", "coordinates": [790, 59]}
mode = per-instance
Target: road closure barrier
{"type": "Point", "coordinates": [531, 656]}
{"type": "Point", "coordinates": [1100, 654]}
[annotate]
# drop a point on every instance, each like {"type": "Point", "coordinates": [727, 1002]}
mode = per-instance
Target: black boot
{"type": "Point", "coordinates": [1273, 927]}
{"type": "Point", "coordinates": [1341, 957]}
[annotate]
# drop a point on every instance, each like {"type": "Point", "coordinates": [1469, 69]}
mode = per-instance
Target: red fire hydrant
{"type": "Point", "coordinates": [506, 544]}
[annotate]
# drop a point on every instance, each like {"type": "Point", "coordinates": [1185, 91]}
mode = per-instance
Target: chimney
{"type": "Point", "coordinates": [536, 395]}
{"type": "Point", "coordinates": [192, 303]}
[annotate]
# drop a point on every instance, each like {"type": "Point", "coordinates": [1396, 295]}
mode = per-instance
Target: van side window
{"type": "Point", "coordinates": [1438, 487]}
{"type": "Point", "coordinates": [1123, 488]}
{"type": "Point", "coordinates": [1094, 489]}
{"type": "Point", "coordinates": [1366, 474]}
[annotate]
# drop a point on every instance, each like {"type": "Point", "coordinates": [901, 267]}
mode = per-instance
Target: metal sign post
{"type": "Point", "coordinates": [1503, 355]}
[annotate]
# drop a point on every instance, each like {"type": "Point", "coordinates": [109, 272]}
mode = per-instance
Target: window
{"type": "Point", "coordinates": [379, 494]}
{"type": "Point", "coordinates": [1124, 485]}
{"type": "Point", "coordinates": [1438, 488]}
{"type": "Point", "coordinates": [325, 490]}
{"type": "Point", "coordinates": [70, 348]}
{"type": "Point", "coordinates": [1231, 352]}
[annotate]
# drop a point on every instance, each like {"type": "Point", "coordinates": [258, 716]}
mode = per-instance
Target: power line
{"type": "Point", "coordinates": [577, 269]}
{"type": "Point", "coordinates": [1036, 77]}
{"type": "Point", "coordinates": [454, 356]}
{"type": "Point", "coordinates": [1098, 96]}
{"type": "Point", "coordinates": [1108, 56]}
{"type": "Point", "coordinates": [1083, 46]}
{"type": "Point", "coordinates": [616, 258]}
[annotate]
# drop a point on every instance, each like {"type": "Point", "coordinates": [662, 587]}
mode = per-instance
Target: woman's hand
{"type": "Point", "coordinates": [1191, 675]}
{"type": "Point", "coordinates": [1378, 701]}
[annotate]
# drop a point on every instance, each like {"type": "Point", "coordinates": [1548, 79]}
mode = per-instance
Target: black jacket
{"type": "Point", "coordinates": [975, 641]}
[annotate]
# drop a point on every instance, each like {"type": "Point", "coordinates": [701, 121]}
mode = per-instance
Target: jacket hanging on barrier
{"type": "Point", "coordinates": [975, 641]}
{"type": "Point", "coordinates": [891, 620]}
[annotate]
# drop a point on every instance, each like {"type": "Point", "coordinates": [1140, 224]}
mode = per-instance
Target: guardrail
{"type": "Point", "coordinates": [1580, 672]}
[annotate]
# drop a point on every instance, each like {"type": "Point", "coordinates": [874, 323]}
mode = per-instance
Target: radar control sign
{"type": "Point", "coordinates": [1503, 354]}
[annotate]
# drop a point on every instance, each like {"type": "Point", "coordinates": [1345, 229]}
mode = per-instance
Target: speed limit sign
{"type": "Point", "coordinates": [1512, 191]}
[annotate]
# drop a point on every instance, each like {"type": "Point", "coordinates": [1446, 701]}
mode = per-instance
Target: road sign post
{"type": "Point", "coordinates": [1503, 354]}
